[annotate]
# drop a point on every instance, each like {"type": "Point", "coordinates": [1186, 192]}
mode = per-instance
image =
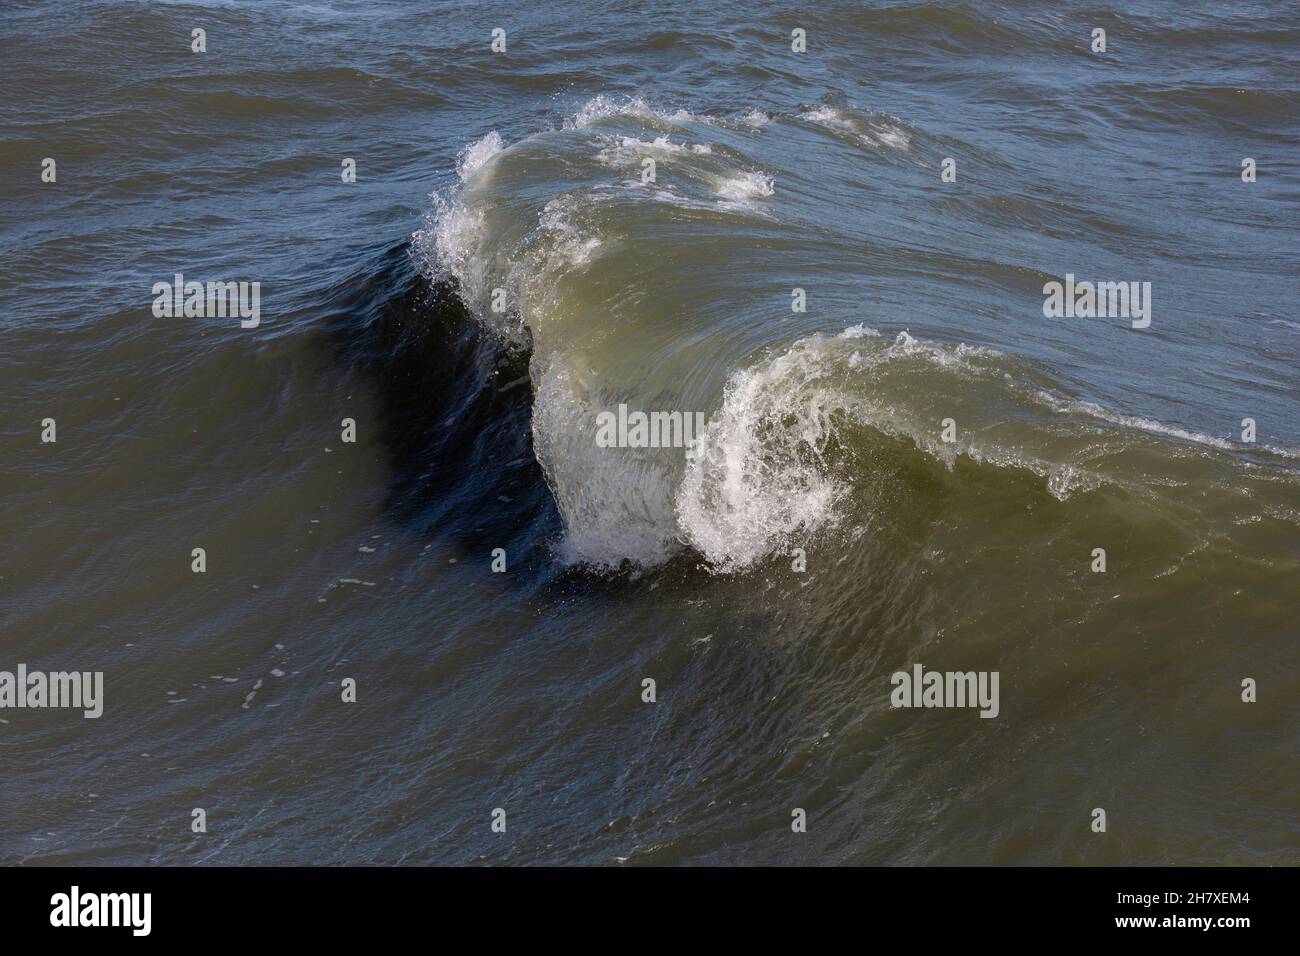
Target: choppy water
{"type": "Point", "coordinates": [476, 430]}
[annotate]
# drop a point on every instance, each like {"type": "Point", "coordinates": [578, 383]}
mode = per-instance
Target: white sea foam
{"type": "Point", "coordinates": [1092, 410]}
{"type": "Point", "coordinates": [958, 356]}
{"type": "Point", "coordinates": [892, 136]}
{"type": "Point", "coordinates": [827, 116]}
{"type": "Point", "coordinates": [761, 480]}
{"type": "Point", "coordinates": [477, 155]}
{"type": "Point", "coordinates": [603, 107]}
{"type": "Point", "coordinates": [449, 245]}
{"type": "Point", "coordinates": [868, 132]}
{"type": "Point", "coordinates": [746, 186]}
{"type": "Point", "coordinates": [570, 245]}
{"type": "Point", "coordinates": [629, 150]}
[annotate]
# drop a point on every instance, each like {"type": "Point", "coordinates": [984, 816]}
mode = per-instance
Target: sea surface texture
{"type": "Point", "coordinates": [369, 574]}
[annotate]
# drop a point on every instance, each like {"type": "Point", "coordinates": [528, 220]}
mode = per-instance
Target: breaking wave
{"type": "Point", "coordinates": [635, 289]}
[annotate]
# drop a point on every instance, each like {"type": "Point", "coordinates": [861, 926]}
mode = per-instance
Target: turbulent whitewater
{"type": "Point", "coordinates": [659, 294]}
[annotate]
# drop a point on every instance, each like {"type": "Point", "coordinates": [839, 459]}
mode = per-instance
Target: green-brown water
{"type": "Point", "coordinates": [828, 537]}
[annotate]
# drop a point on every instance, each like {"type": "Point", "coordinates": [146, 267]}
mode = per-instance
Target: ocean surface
{"type": "Point", "coordinates": [906, 463]}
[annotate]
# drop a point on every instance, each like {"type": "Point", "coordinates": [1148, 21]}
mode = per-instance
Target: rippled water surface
{"type": "Point", "coordinates": [501, 272]}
